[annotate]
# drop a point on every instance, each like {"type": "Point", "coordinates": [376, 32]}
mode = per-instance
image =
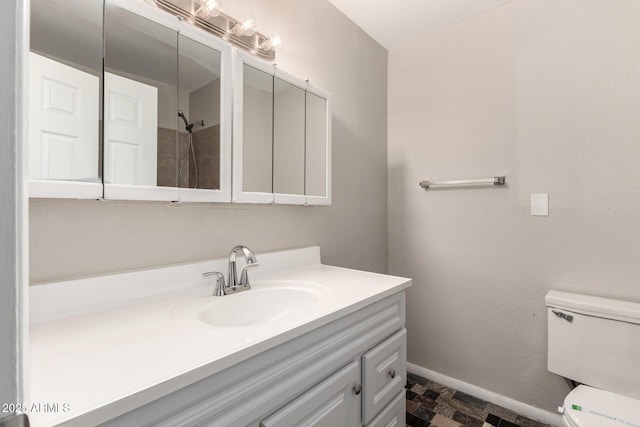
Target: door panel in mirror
{"type": "Point", "coordinates": [65, 72]}
{"type": "Point", "coordinates": [317, 147]}
{"type": "Point", "coordinates": [131, 130]}
{"type": "Point", "coordinates": [141, 104]}
{"type": "Point", "coordinates": [204, 128]}
{"type": "Point", "coordinates": [288, 141]}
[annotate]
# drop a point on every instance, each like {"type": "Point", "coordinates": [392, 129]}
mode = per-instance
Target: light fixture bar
{"type": "Point", "coordinates": [222, 26]}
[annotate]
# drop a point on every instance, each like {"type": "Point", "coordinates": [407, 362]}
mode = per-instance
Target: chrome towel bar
{"type": "Point", "coordinates": [496, 180]}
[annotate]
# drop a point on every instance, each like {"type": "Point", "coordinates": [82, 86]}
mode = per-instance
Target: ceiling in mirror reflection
{"type": "Point", "coordinates": [139, 46]}
{"type": "Point", "coordinates": [53, 36]}
{"type": "Point", "coordinates": [132, 37]}
{"type": "Point", "coordinates": [257, 79]}
{"type": "Point", "coordinates": [199, 64]}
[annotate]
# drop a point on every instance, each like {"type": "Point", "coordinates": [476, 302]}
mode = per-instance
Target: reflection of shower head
{"type": "Point", "coordinates": [186, 122]}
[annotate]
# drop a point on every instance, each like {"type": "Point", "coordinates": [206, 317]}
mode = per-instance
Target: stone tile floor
{"type": "Point", "coordinates": [433, 405]}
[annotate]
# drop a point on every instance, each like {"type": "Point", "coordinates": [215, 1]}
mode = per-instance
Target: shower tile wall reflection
{"type": "Point", "coordinates": [167, 155]}
{"type": "Point", "coordinates": [184, 169]}
{"type": "Point", "coordinates": [206, 144]}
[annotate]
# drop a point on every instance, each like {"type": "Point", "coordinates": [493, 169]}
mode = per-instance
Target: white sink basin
{"type": "Point", "coordinates": [266, 302]}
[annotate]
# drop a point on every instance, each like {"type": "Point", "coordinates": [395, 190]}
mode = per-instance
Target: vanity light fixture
{"type": "Point", "coordinates": [208, 15]}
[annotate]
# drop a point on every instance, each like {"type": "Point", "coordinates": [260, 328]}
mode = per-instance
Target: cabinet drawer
{"type": "Point", "coordinates": [333, 402]}
{"type": "Point", "coordinates": [384, 374]}
{"type": "Point", "coordinates": [393, 415]}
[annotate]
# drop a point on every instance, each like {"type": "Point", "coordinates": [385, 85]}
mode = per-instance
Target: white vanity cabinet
{"type": "Point", "coordinates": [356, 393]}
{"type": "Point", "coordinates": [348, 372]}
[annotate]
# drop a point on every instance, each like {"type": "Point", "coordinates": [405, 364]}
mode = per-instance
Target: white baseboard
{"type": "Point", "coordinates": [489, 396]}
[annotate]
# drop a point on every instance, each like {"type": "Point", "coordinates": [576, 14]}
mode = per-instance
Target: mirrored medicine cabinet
{"type": "Point", "coordinates": [281, 144]}
{"type": "Point", "coordinates": [132, 103]}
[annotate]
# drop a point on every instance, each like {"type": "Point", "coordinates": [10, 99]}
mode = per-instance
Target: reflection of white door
{"type": "Point", "coordinates": [130, 131]}
{"type": "Point", "coordinates": [63, 113]}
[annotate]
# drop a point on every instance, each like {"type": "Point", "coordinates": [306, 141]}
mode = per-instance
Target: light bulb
{"type": "Point", "coordinates": [273, 43]}
{"type": "Point", "coordinates": [276, 42]}
{"type": "Point", "coordinates": [209, 8]}
{"type": "Point", "coordinates": [245, 28]}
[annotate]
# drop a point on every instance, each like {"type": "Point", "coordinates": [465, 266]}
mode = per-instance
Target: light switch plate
{"type": "Point", "coordinates": [540, 204]}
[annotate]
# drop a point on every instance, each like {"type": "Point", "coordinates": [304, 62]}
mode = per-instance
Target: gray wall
{"type": "Point", "coordinates": [80, 238]}
{"type": "Point", "coordinates": [13, 204]}
{"type": "Point", "coordinates": [548, 93]}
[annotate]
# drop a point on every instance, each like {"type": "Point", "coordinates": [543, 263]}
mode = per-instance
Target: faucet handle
{"type": "Point", "coordinates": [220, 283]}
{"type": "Point", "coordinates": [244, 276]}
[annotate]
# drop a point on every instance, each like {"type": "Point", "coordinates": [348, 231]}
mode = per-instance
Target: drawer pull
{"type": "Point", "coordinates": [357, 388]}
{"type": "Point", "coordinates": [392, 373]}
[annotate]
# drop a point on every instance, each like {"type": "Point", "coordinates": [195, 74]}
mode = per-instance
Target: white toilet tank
{"type": "Point", "coordinates": [595, 341]}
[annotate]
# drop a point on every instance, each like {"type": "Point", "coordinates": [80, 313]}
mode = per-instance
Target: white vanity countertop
{"type": "Point", "coordinates": [104, 363]}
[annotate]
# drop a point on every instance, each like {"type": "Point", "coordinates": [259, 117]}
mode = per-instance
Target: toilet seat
{"type": "Point", "coordinates": [591, 407]}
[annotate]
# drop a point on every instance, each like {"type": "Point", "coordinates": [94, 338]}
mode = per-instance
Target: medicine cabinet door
{"type": "Point", "coordinates": [317, 147]}
{"type": "Point", "coordinates": [64, 98]}
{"type": "Point", "coordinates": [288, 139]}
{"type": "Point", "coordinates": [140, 102]}
{"type": "Point", "coordinates": [252, 130]}
{"type": "Point", "coordinates": [204, 126]}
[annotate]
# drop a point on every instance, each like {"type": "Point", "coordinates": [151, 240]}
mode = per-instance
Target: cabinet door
{"type": "Point", "coordinates": [204, 136]}
{"type": "Point", "coordinates": [64, 77]}
{"type": "Point", "coordinates": [141, 102]}
{"type": "Point", "coordinates": [317, 182]}
{"type": "Point", "coordinates": [331, 403]}
{"type": "Point", "coordinates": [394, 415]}
{"type": "Point", "coordinates": [252, 130]}
{"type": "Point", "coordinates": [384, 374]}
{"type": "Point", "coordinates": [288, 139]}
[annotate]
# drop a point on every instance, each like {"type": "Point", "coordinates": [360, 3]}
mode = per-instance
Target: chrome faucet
{"type": "Point", "coordinates": [232, 285]}
{"type": "Point", "coordinates": [233, 274]}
